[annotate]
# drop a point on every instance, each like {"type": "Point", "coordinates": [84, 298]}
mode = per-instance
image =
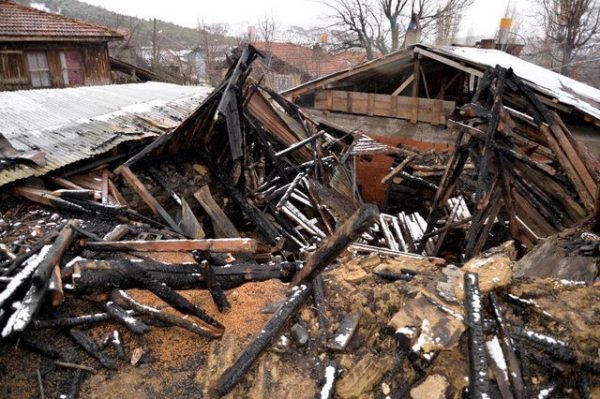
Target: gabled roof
{"type": "Point", "coordinates": [555, 88]}
{"type": "Point", "coordinates": [21, 23]}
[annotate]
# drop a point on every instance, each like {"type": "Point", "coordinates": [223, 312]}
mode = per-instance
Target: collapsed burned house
{"type": "Point", "coordinates": [183, 244]}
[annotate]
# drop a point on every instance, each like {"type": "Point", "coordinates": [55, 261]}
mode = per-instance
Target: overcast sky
{"type": "Point", "coordinates": [481, 19]}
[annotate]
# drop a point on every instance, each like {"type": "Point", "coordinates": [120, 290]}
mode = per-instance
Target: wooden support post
{"type": "Point", "coordinates": [415, 90]}
{"type": "Point", "coordinates": [143, 192]}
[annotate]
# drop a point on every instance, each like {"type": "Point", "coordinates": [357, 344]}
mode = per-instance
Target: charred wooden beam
{"type": "Point", "coordinates": [478, 381]}
{"type": "Point", "coordinates": [257, 217]}
{"type": "Point", "coordinates": [319, 301]}
{"type": "Point", "coordinates": [512, 361]}
{"type": "Point", "coordinates": [357, 224]}
{"type": "Point", "coordinates": [286, 195]}
{"type": "Point", "coordinates": [116, 341]}
{"type": "Point", "coordinates": [222, 225]}
{"type": "Point", "coordinates": [155, 314]}
{"type": "Point", "coordinates": [33, 299]}
{"type": "Point", "coordinates": [72, 321]}
{"type": "Point", "coordinates": [20, 281]}
{"type": "Point", "coordinates": [552, 346]}
{"type": "Point", "coordinates": [300, 143]}
{"type": "Point", "coordinates": [233, 375]}
{"type": "Point", "coordinates": [129, 321]}
{"type": "Point", "coordinates": [120, 231]}
{"type": "Point", "coordinates": [147, 197]}
{"type": "Point", "coordinates": [11, 265]}
{"type": "Point", "coordinates": [98, 276]}
{"type": "Point", "coordinates": [173, 298]}
{"type": "Point", "coordinates": [92, 348]}
{"type": "Point", "coordinates": [236, 245]}
{"type": "Point", "coordinates": [210, 279]}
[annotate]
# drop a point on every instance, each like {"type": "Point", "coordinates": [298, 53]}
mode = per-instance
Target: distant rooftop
{"type": "Point", "coordinates": [22, 23]}
{"type": "Point", "coordinates": [315, 62]}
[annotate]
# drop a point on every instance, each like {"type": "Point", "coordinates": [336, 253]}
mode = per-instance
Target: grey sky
{"type": "Point", "coordinates": [481, 19]}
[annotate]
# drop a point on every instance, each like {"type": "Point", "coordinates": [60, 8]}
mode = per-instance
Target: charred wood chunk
{"type": "Point", "coordinates": [116, 341]}
{"type": "Point", "coordinates": [121, 316]}
{"type": "Point", "coordinates": [40, 347]}
{"type": "Point", "coordinates": [92, 348]}
{"type": "Point", "coordinates": [71, 321]}
{"type": "Point", "coordinates": [345, 332]}
{"type": "Point", "coordinates": [478, 380]}
{"type": "Point", "coordinates": [556, 348]}
{"type": "Point", "coordinates": [74, 385]}
{"type": "Point", "coordinates": [216, 292]}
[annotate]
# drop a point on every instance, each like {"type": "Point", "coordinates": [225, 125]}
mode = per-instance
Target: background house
{"type": "Point", "coordinates": [40, 50]}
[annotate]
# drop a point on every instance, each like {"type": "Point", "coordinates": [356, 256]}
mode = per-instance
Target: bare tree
{"type": "Point", "coordinates": [358, 23]}
{"type": "Point", "coordinates": [212, 42]}
{"type": "Point", "coordinates": [393, 10]}
{"type": "Point", "coordinates": [569, 26]}
{"type": "Point", "coordinates": [377, 25]}
{"type": "Point", "coordinates": [267, 29]}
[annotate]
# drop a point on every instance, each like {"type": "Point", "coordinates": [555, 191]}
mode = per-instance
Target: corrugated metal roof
{"type": "Point", "coordinates": [73, 124]}
{"type": "Point", "coordinates": [26, 23]}
{"type": "Point", "coordinates": [564, 89]}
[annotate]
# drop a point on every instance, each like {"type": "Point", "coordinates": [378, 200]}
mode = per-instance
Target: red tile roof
{"type": "Point", "coordinates": [18, 22]}
{"type": "Point", "coordinates": [315, 62]}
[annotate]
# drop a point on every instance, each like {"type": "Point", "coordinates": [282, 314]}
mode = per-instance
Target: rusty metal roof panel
{"type": "Point", "coordinates": [70, 125]}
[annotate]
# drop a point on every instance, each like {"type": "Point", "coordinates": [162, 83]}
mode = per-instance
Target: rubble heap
{"type": "Point", "coordinates": [227, 224]}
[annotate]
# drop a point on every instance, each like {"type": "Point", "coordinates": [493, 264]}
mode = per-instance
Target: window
{"type": "Point", "coordinates": [12, 68]}
{"type": "Point", "coordinates": [38, 69]}
{"type": "Point", "coordinates": [71, 68]}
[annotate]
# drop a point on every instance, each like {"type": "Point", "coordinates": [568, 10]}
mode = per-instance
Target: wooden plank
{"type": "Point", "coordinates": [448, 62]}
{"type": "Point", "coordinates": [563, 160]}
{"type": "Point", "coordinates": [572, 155]}
{"type": "Point", "coordinates": [221, 245]}
{"type": "Point", "coordinates": [147, 197]}
{"type": "Point", "coordinates": [429, 110]}
{"type": "Point", "coordinates": [222, 225]}
{"type": "Point", "coordinates": [404, 85]}
{"type": "Point", "coordinates": [105, 186]}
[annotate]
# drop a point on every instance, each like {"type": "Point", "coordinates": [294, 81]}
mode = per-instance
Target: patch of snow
{"type": "Point", "coordinates": [329, 379]}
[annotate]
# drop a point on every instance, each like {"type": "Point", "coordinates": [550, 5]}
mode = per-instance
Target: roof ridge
{"type": "Point", "coordinates": [60, 16]}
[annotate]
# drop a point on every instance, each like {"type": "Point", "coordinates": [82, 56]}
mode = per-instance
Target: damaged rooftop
{"type": "Point", "coordinates": [425, 224]}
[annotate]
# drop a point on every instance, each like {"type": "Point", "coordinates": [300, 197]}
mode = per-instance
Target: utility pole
{"type": "Point", "coordinates": [154, 47]}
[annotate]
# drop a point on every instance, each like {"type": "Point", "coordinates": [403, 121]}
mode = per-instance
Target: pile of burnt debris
{"type": "Point", "coordinates": [432, 298]}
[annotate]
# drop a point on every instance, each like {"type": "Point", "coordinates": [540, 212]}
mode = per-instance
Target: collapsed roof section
{"type": "Point", "coordinates": [70, 125]}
